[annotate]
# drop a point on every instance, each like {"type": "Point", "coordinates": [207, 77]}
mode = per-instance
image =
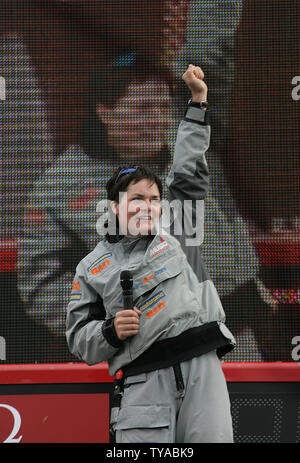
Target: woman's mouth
{"type": "Point", "coordinates": [144, 217]}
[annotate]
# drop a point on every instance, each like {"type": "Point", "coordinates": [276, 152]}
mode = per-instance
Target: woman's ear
{"type": "Point", "coordinates": [114, 207]}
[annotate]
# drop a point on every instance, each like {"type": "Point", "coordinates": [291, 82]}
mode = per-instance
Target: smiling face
{"type": "Point", "coordinates": [142, 121]}
{"type": "Point", "coordinates": [139, 208]}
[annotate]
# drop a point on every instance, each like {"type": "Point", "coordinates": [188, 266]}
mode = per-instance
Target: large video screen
{"type": "Point", "coordinates": [87, 86]}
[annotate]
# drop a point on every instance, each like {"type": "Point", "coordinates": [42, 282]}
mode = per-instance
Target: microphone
{"type": "Point", "coordinates": [126, 281]}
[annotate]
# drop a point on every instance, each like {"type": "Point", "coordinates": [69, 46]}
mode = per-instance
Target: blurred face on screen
{"type": "Point", "coordinates": [141, 122]}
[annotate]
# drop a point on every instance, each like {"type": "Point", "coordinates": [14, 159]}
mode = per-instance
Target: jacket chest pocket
{"type": "Point", "coordinates": [146, 278]}
{"type": "Point", "coordinates": [154, 273]}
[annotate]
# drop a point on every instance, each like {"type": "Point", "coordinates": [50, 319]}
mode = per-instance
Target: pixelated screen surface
{"type": "Point", "coordinates": [88, 86]}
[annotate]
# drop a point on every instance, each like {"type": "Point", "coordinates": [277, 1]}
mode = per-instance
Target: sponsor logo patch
{"type": "Point", "coordinates": [75, 297]}
{"type": "Point", "coordinates": [76, 293]}
{"type": "Point", "coordinates": [156, 309]}
{"type": "Point", "coordinates": [159, 248]}
{"type": "Point", "coordinates": [99, 264]}
{"type": "Point", "coordinates": [76, 286]}
{"type": "Point", "coordinates": [151, 302]}
{"type": "Point", "coordinates": [148, 278]}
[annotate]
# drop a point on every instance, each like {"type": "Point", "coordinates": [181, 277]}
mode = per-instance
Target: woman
{"type": "Point", "coordinates": [173, 388]}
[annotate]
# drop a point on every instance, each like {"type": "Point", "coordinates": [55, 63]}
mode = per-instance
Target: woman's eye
{"type": "Point", "coordinates": [140, 201]}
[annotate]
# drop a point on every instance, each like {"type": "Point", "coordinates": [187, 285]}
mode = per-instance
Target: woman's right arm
{"type": "Point", "coordinates": [90, 336]}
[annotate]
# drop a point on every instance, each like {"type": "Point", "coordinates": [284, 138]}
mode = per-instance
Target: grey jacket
{"type": "Point", "coordinates": [182, 315]}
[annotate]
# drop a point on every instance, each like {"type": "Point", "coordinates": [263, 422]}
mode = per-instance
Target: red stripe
{"type": "Point", "coordinates": [54, 373]}
{"type": "Point", "coordinates": [81, 373]}
{"type": "Point", "coordinates": [262, 372]}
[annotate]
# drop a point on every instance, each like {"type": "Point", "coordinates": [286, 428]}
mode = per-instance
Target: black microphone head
{"type": "Point", "coordinates": [126, 280]}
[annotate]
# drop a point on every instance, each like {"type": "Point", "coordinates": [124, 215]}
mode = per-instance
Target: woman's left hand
{"type": "Point", "coordinates": [194, 79]}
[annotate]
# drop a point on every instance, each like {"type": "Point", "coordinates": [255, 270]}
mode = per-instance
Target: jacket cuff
{"type": "Point", "coordinates": [109, 332]}
{"type": "Point", "coordinates": [196, 115]}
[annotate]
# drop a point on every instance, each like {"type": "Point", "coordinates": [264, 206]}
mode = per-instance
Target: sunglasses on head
{"type": "Point", "coordinates": [125, 171]}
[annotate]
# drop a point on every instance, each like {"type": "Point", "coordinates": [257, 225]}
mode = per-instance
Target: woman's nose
{"type": "Point", "coordinates": [147, 204]}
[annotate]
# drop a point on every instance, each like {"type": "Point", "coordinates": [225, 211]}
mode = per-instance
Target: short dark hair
{"type": "Point", "coordinates": [107, 85]}
{"type": "Point", "coordinates": [118, 183]}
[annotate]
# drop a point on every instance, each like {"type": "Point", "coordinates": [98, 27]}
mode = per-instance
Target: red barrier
{"type": "Point", "coordinates": [70, 403]}
{"type": "Point", "coordinates": [66, 373]}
